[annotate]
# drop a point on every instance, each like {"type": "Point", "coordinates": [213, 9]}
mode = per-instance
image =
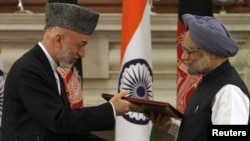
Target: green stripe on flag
{"type": "Point", "coordinates": [152, 134]}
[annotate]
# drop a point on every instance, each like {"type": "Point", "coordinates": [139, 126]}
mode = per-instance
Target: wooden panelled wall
{"type": "Point", "coordinates": [115, 6]}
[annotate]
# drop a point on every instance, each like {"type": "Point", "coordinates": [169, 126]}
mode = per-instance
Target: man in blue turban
{"type": "Point", "coordinates": [221, 97]}
{"type": "Point", "coordinates": [210, 35]}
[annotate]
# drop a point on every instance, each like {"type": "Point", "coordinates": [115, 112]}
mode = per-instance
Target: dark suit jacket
{"type": "Point", "coordinates": [33, 109]}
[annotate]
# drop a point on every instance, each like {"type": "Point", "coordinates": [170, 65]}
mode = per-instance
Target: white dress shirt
{"type": "Point", "coordinates": [53, 66]}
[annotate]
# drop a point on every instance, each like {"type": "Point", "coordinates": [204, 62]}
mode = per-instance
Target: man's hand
{"type": "Point", "coordinates": [122, 106]}
{"type": "Point", "coordinates": [160, 122]}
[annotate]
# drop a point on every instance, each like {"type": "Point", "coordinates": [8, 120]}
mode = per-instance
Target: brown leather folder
{"type": "Point", "coordinates": [148, 106]}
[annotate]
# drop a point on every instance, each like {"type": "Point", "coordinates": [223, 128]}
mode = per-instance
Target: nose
{"type": "Point", "coordinates": [81, 52]}
{"type": "Point", "coordinates": [184, 55]}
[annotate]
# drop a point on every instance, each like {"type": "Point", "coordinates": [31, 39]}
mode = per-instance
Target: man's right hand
{"type": "Point", "coordinates": [160, 122]}
{"type": "Point", "coordinates": [122, 106]}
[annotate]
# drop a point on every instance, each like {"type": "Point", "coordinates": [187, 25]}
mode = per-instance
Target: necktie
{"type": "Point", "coordinates": [72, 86]}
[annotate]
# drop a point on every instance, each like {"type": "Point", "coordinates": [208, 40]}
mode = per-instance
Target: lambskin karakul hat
{"type": "Point", "coordinates": [71, 16]}
{"type": "Point", "coordinates": [210, 35]}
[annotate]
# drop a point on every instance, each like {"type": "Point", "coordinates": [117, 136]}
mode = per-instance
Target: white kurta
{"type": "Point", "coordinates": [230, 107]}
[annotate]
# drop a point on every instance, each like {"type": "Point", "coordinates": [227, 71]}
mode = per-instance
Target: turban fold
{"type": "Point", "coordinates": [71, 16]}
{"type": "Point", "coordinates": [210, 35]}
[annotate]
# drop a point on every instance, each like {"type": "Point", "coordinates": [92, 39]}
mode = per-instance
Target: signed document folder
{"type": "Point", "coordinates": [148, 106]}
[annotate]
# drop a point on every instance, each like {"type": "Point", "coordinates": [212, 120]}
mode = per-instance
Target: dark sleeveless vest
{"type": "Point", "coordinates": [197, 116]}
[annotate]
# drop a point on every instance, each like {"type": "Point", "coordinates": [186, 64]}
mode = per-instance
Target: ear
{"type": "Point", "coordinates": [212, 56]}
{"type": "Point", "coordinates": [58, 39]}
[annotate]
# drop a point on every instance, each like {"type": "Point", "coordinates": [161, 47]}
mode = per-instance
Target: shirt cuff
{"type": "Point", "coordinates": [174, 128]}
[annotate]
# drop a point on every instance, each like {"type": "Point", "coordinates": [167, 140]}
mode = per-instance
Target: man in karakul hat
{"type": "Point", "coordinates": [35, 106]}
{"type": "Point", "coordinates": [78, 64]}
{"type": "Point", "coordinates": [221, 97]}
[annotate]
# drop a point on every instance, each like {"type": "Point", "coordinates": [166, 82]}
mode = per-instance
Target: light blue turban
{"type": "Point", "coordinates": [210, 35]}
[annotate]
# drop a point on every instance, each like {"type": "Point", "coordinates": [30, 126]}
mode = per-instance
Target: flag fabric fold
{"type": "Point", "coordinates": [186, 83]}
{"type": "Point", "coordinates": [136, 68]}
{"type": "Point", "coordinates": [1, 85]}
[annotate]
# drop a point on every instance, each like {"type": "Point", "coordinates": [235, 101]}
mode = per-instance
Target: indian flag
{"type": "Point", "coordinates": [136, 68]}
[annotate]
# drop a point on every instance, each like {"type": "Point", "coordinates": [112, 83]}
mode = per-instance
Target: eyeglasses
{"type": "Point", "coordinates": [189, 50]}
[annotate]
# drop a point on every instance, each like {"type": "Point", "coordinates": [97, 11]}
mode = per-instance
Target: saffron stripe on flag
{"type": "Point", "coordinates": [187, 83]}
{"type": "Point", "coordinates": [136, 68]}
